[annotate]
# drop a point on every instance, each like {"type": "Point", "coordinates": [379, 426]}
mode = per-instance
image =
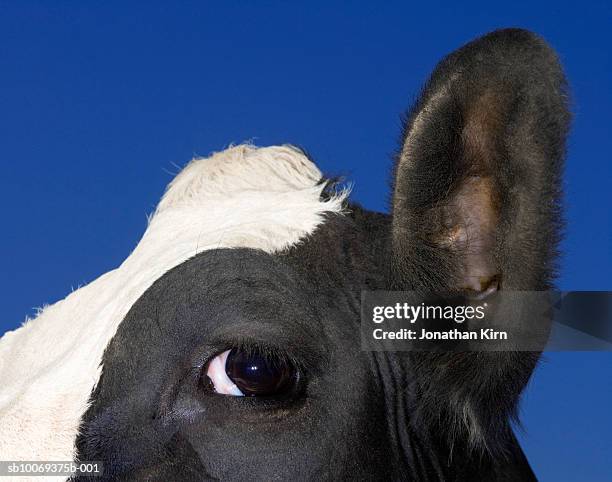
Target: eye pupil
{"type": "Point", "coordinates": [257, 375]}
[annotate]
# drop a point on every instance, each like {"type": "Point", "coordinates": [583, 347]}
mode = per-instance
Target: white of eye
{"type": "Point", "coordinates": [220, 380]}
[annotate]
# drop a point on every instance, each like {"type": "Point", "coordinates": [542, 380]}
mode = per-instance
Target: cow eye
{"type": "Point", "coordinates": [250, 373]}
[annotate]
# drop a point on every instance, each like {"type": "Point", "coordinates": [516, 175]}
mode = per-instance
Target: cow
{"type": "Point", "coordinates": [227, 345]}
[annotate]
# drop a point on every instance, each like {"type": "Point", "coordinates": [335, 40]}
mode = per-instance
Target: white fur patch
{"type": "Point", "coordinates": [265, 198]}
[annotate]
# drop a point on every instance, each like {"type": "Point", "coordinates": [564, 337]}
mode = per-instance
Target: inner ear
{"type": "Point", "coordinates": [469, 232]}
{"type": "Point", "coordinates": [482, 131]}
{"type": "Point", "coordinates": [471, 213]}
{"type": "Point", "coordinates": [448, 190]}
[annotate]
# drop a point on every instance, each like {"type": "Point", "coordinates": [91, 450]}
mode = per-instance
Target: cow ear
{"type": "Point", "coordinates": [476, 207]}
{"type": "Point", "coordinates": [477, 179]}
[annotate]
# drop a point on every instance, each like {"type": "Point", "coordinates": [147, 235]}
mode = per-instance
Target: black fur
{"type": "Point", "coordinates": [493, 118]}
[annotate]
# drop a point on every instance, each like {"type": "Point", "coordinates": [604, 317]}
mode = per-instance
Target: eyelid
{"type": "Point", "coordinates": [222, 383]}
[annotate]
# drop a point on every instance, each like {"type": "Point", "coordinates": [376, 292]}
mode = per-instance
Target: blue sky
{"type": "Point", "coordinates": [99, 102]}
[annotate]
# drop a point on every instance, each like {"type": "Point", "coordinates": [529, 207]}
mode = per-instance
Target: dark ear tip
{"type": "Point", "coordinates": [517, 43]}
{"type": "Point", "coordinates": [510, 57]}
{"type": "Point", "coordinates": [513, 34]}
{"type": "Point", "coordinates": [527, 55]}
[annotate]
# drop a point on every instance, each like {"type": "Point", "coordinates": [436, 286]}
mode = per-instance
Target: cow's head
{"type": "Point", "coordinates": [232, 332]}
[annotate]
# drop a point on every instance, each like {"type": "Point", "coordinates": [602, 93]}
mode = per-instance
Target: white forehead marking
{"type": "Point", "coordinates": [266, 198]}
